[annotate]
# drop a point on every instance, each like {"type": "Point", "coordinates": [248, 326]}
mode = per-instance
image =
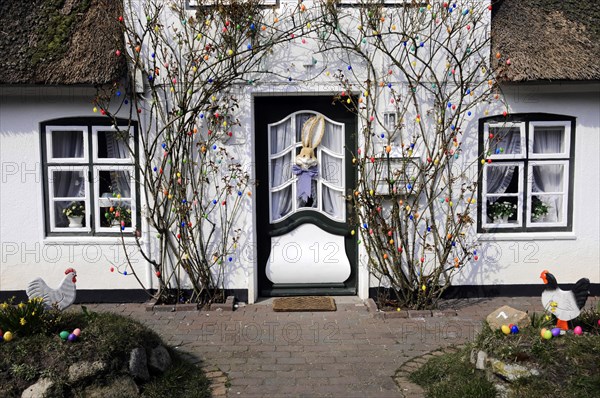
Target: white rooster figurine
{"type": "Point", "coordinates": [564, 304]}
{"type": "Point", "coordinates": [62, 297]}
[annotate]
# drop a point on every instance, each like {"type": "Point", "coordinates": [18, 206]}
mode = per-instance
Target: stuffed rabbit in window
{"type": "Point", "coordinates": [306, 161]}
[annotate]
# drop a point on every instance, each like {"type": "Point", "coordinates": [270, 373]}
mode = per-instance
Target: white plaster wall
{"type": "Point", "coordinates": [25, 252]}
{"type": "Point", "coordinates": [519, 258]}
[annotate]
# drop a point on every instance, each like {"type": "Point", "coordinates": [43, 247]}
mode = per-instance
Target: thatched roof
{"type": "Point", "coordinates": [60, 41]}
{"type": "Point", "coordinates": [546, 39]}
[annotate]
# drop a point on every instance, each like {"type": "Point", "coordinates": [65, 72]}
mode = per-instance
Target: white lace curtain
{"type": "Point", "coordinates": [549, 177]}
{"type": "Point", "coordinates": [499, 177]}
{"type": "Point", "coordinates": [116, 147]}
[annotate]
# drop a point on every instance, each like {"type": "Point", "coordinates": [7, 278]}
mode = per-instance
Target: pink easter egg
{"type": "Point", "coordinates": [77, 332]}
{"type": "Point", "coordinates": [578, 331]}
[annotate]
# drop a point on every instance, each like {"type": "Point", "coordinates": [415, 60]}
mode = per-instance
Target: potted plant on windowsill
{"type": "Point", "coordinates": [118, 216]}
{"type": "Point", "coordinates": [75, 212]}
{"type": "Point", "coordinates": [539, 212]}
{"type": "Point", "coordinates": [500, 212]}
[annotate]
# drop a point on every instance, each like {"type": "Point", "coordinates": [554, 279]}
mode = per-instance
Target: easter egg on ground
{"type": "Point", "coordinates": [505, 329]}
{"type": "Point", "coordinates": [64, 335]}
{"type": "Point", "coordinates": [77, 332]}
{"type": "Point", "coordinates": [514, 329]}
{"type": "Point", "coordinates": [72, 337]}
{"type": "Point", "coordinates": [547, 334]}
{"type": "Point", "coordinates": [578, 330]}
{"type": "Point", "coordinates": [8, 336]}
{"type": "Point", "coordinates": [542, 332]}
{"type": "Point", "coordinates": [556, 332]}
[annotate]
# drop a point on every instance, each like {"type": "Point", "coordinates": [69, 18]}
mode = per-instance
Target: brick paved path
{"type": "Point", "coordinates": [346, 353]}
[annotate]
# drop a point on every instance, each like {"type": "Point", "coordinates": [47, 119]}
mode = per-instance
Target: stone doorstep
{"type": "Point", "coordinates": [226, 306]}
{"type": "Point", "coordinates": [372, 308]}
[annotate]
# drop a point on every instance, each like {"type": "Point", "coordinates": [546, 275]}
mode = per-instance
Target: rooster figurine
{"type": "Point", "coordinates": [564, 304]}
{"type": "Point", "coordinates": [62, 297]}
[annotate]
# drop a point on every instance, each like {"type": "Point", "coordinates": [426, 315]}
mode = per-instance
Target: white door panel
{"type": "Point", "coordinates": [308, 254]}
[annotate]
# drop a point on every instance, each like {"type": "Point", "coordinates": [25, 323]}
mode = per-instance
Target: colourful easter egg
{"type": "Point", "coordinates": [547, 334]}
{"type": "Point", "coordinates": [578, 330]}
{"type": "Point", "coordinates": [77, 332]}
{"type": "Point", "coordinates": [64, 335]}
{"type": "Point", "coordinates": [556, 332]}
{"type": "Point", "coordinates": [8, 336]}
{"type": "Point", "coordinates": [505, 329]}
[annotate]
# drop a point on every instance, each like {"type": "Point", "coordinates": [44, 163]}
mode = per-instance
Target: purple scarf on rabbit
{"type": "Point", "coordinates": [304, 180]}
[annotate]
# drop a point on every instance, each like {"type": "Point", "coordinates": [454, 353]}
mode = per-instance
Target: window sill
{"type": "Point", "coordinates": [526, 236]}
{"type": "Point", "coordinates": [91, 240]}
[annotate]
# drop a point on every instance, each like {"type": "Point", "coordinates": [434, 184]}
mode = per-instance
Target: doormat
{"type": "Point", "coordinates": [304, 303]}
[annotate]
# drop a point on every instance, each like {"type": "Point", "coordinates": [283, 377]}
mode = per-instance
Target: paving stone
{"type": "Point", "coordinates": [350, 345]}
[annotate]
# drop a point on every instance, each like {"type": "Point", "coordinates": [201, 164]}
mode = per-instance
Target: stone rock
{"type": "Point", "coordinates": [82, 370]}
{"type": "Point", "coordinates": [159, 360]}
{"type": "Point", "coordinates": [481, 359]}
{"type": "Point", "coordinates": [506, 315]}
{"type": "Point", "coordinates": [123, 387]}
{"type": "Point", "coordinates": [138, 365]}
{"type": "Point", "coordinates": [39, 389]}
{"type": "Point", "coordinates": [511, 372]}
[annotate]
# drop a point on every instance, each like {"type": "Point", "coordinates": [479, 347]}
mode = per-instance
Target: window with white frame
{"type": "Point", "coordinates": [526, 182]}
{"type": "Point", "coordinates": [328, 185]}
{"type": "Point", "coordinates": [89, 170]}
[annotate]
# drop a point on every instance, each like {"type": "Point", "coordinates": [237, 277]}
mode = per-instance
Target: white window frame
{"type": "Point", "coordinates": [98, 200]}
{"type": "Point", "coordinates": [96, 159]}
{"type": "Point", "coordinates": [507, 125]}
{"type": "Point", "coordinates": [564, 193]}
{"type": "Point", "coordinates": [518, 195]}
{"type": "Point", "coordinates": [52, 199]}
{"type": "Point", "coordinates": [320, 181]}
{"type": "Point", "coordinates": [49, 156]}
{"type": "Point", "coordinates": [566, 136]}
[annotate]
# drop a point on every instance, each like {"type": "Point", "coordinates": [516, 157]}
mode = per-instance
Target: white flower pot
{"type": "Point", "coordinates": [75, 222]}
{"type": "Point", "coordinates": [501, 220]}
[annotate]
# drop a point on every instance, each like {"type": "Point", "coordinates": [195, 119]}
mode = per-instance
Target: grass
{"type": "Point", "coordinates": [104, 336]}
{"type": "Point", "coordinates": [452, 376]}
{"type": "Point", "coordinates": [568, 365]}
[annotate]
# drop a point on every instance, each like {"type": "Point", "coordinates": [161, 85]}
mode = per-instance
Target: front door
{"type": "Point", "coordinates": [304, 174]}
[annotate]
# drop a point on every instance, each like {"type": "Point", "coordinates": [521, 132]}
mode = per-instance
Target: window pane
{"type": "Point", "coordinates": [332, 139]}
{"type": "Point", "coordinates": [331, 169]}
{"type": "Point", "coordinates": [333, 202]}
{"type": "Point", "coordinates": [504, 141]}
{"type": "Point", "coordinates": [311, 200]}
{"type": "Point", "coordinates": [502, 209]}
{"type": "Point", "coordinates": [281, 203]}
{"type": "Point", "coordinates": [548, 178]}
{"type": "Point", "coordinates": [549, 140]}
{"type": "Point", "coordinates": [281, 136]}
{"type": "Point", "coordinates": [116, 215]}
{"type": "Point", "coordinates": [547, 209]}
{"type": "Point", "coordinates": [69, 214]}
{"type": "Point", "coordinates": [114, 182]}
{"type": "Point", "coordinates": [68, 184]}
{"type": "Point", "coordinates": [301, 118]}
{"type": "Point", "coordinates": [281, 170]}
{"type": "Point", "coordinates": [67, 144]}
{"type": "Point", "coordinates": [502, 179]}
{"type": "Point", "coordinates": [112, 145]}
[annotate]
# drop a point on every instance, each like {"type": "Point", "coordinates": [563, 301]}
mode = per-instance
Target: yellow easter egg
{"type": "Point", "coordinates": [505, 329]}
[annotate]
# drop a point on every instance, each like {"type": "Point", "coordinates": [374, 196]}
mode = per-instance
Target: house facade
{"type": "Point", "coordinates": [57, 149]}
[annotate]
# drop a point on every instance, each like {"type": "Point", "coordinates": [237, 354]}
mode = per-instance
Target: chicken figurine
{"type": "Point", "coordinates": [62, 297]}
{"type": "Point", "coordinates": [564, 304]}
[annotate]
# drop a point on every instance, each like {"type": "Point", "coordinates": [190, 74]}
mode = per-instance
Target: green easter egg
{"type": "Point", "coordinates": [64, 335]}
